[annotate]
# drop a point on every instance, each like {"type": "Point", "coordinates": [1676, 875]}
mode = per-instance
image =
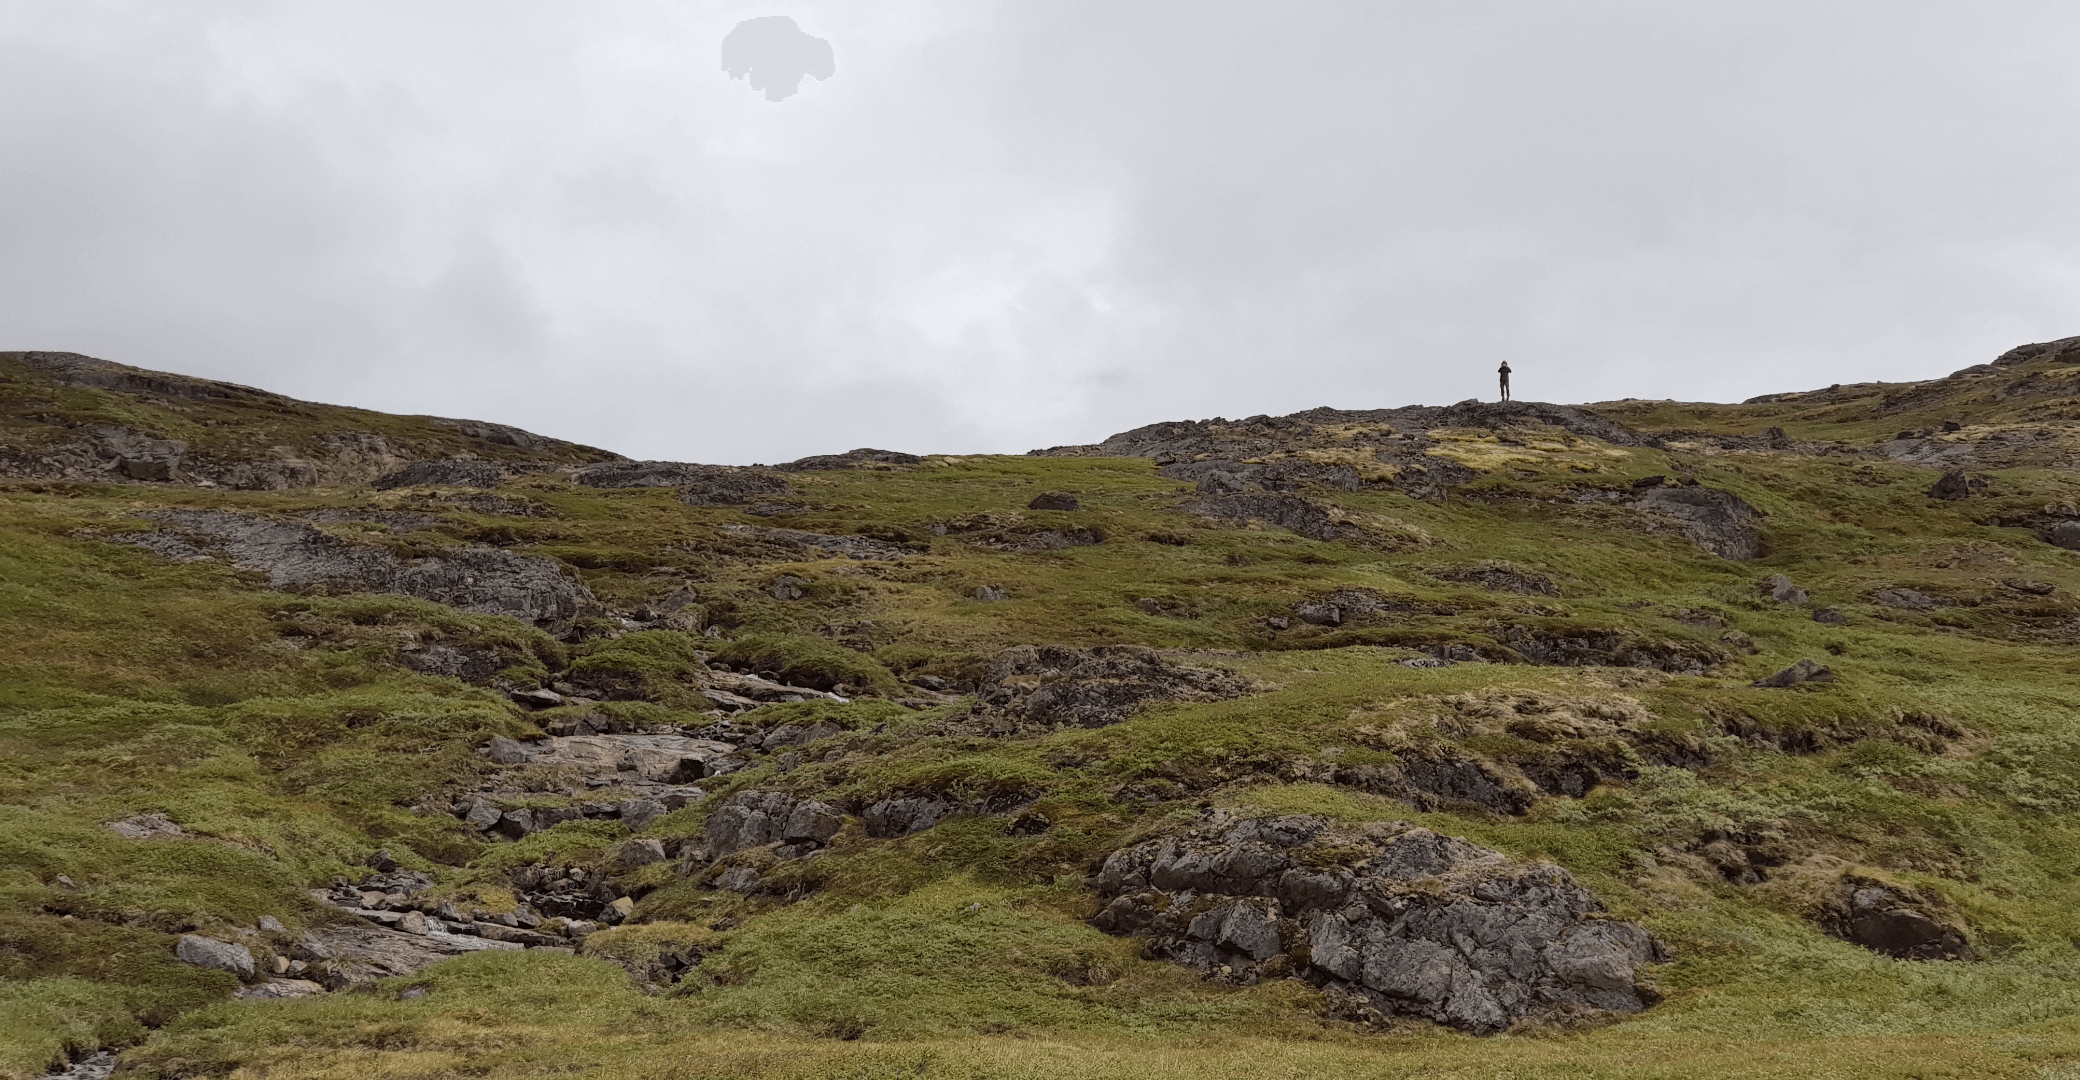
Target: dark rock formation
{"type": "Point", "coordinates": [1289, 512]}
{"type": "Point", "coordinates": [1804, 671]}
{"type": "Point", "coordinates": [1780, 589]}
{"type": "Point", "coordinates": [1888, 920]}
{"type": "Point", "coordinates": [750, 819]}
{"type": "Point", "coordinates": [295, 556]}
{"type": "Point", "coordinates": [470, 474]}
{"type": "Point", "coordinates": [1718, 521]}
{"type": "Point", "coordinates": [1951, 487]}
{"type": "Point", "coordinates": [2062, 351]}
{"type": "Point", "coordinates": [1057, 686]}
{"type": "Point", "coordinates": [1499, 577]}
{"type": "Point", "coordinates": [1385, 917]}
{"type": "Point", "coordinates": [703, 485]}
{"type": "Point", "coordinates": [1910, 600]}
{"type": "Point", "coordinates": [1830, 616]}
{"type": "Point", "coordinates": [1054, 500]}
{"type": "Point", "coordinates": [850, 459]}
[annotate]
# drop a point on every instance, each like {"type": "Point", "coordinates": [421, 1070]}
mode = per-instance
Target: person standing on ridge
{"type": "Point", "coordinates": [1504, 372]}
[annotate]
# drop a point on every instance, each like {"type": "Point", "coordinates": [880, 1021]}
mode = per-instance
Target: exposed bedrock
{"type": "Point", "coordinates": [1386, 917]}
{"type": "Point", "coordinates": [296, 556]}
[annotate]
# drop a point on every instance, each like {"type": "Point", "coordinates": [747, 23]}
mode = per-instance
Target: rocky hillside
{"type": "Point", "coordinates": [1633, 739]}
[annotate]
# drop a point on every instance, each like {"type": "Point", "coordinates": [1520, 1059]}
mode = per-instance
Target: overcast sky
{"type": "Point", "coordinates": [1000, 226]}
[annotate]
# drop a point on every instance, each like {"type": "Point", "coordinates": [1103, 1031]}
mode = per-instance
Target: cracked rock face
{"type": "Point", "coordinates": [296, 556]}
{"type": "Point", "coordinates": [1390, 917]}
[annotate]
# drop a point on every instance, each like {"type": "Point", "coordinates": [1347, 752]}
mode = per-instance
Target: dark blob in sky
{"type": "Point", "coordinates": [775, 53]}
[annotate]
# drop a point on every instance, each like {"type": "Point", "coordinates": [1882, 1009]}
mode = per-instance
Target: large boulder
{"type": "Point", "coordinates": [1386, 917]}
{"type": "Point", "coordinates": [216, 955]}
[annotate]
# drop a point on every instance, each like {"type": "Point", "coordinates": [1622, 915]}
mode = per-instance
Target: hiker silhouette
{"type": "Point", "coordinates": [1504, 372]}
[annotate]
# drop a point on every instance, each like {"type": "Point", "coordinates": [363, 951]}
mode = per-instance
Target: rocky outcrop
{"type": "Point", "coordinates": [1893, 921]}
{"type": "Point", "coordinates": [296, 556]}
{"type": "Point", "coordinates": [145, 827]}
{"type": "Point", "coordinates": [1718, 521]}
{"type": "Point", "coordinates": [750, 819]}
{"type": "Point", "coordinates": [865, 457]}
{"type": "Point", "coordinates": [1386, 918]}
{"type": "Point", "coordinates": [2062, 351]}
{"type": "Point", "coordinates": [1497, 576]}
{"type": "Point", "coordinates": [1049, 686]}
{"type": "Point", "coordinates": [1289, 512]}
{"type": "Point", "coordinates": [1805, 671]}
{"type": "Point", "coordinates": [701, 485]}
{"type": "Point", "coordinates": [216, 955]}
{"type": "Point", "coordinates": [469, 474]}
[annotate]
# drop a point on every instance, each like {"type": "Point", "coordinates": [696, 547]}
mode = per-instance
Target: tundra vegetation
{"type": "Point", "coordinates": [1641, 739]}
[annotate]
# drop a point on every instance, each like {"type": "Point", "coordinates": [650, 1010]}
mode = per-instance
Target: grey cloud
{"type": "Point", "coordinates": [774, 55]}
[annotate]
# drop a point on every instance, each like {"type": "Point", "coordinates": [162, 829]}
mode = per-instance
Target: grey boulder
{"type": "Point", "coordinates": [215, 955]}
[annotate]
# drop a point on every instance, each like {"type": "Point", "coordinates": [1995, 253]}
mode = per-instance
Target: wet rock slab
{"type": "Point", "coordinates": [1384, 917]}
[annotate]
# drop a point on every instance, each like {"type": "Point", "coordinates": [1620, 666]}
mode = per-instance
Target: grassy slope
{"type": "Point", "coordinates": [277, 730]}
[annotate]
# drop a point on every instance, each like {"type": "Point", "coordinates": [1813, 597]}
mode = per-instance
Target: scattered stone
{"type": "Point", "coordinates": [2065, 534]}
{"type": "Point", "coordinates": [637, 853]}
{"type": "Point", "coordinates": [1278, 622]}
{"type": "Point", "coordinates": [619, 911]}
{"type": "Point", "coordinates": [216, 955]}
{"type": "Point", "coordinates": [1426, 662]}
{"type": "Point", "coordinates": [504, 751]}
{"type": "Point", "coordinates": [637, 814]}
{"type": "Point", "coordinates": [750, 819]}
{"type": "Point", "coordinates": [1910, 600]}
{"type": "Point", "coordinates": [280, 989]}
{"type": "Point", "coordinates": [896, 817]}
{"type": "Point", "coordinates": [740, 879]}
{"type": "Point", "coordinates": [2033, 588]}
{"type": "Point", "coordinates": [989, 594]}
{"type": "Point", "coordinates": [1054, 500]}
{"type": "Point", "coordinates": [1780, 589]}
{"type": "Point", "coordinates": [538, 698]}
{"type": "Point", "coordinates": [1318, 613]}
{"type": "Point", "coordinates": [1804, 671]}
{"type": "Point", "coordinates": [1951, 487]}
{"type": "Point", "coordinates": [1391, 917]}
{"type": "Point", "coordinates": [271, 925]}
{"type": "Point", "coordinates": [1830, 616]}
{"type": "Point", "coordinates": [99, 1065]}
{"type": "Point", "coordinates": [414, 922]}
{"type": "Point", "coordinates": [786, 587]}
{"type": "Point", "coordinates": [145, 827]}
